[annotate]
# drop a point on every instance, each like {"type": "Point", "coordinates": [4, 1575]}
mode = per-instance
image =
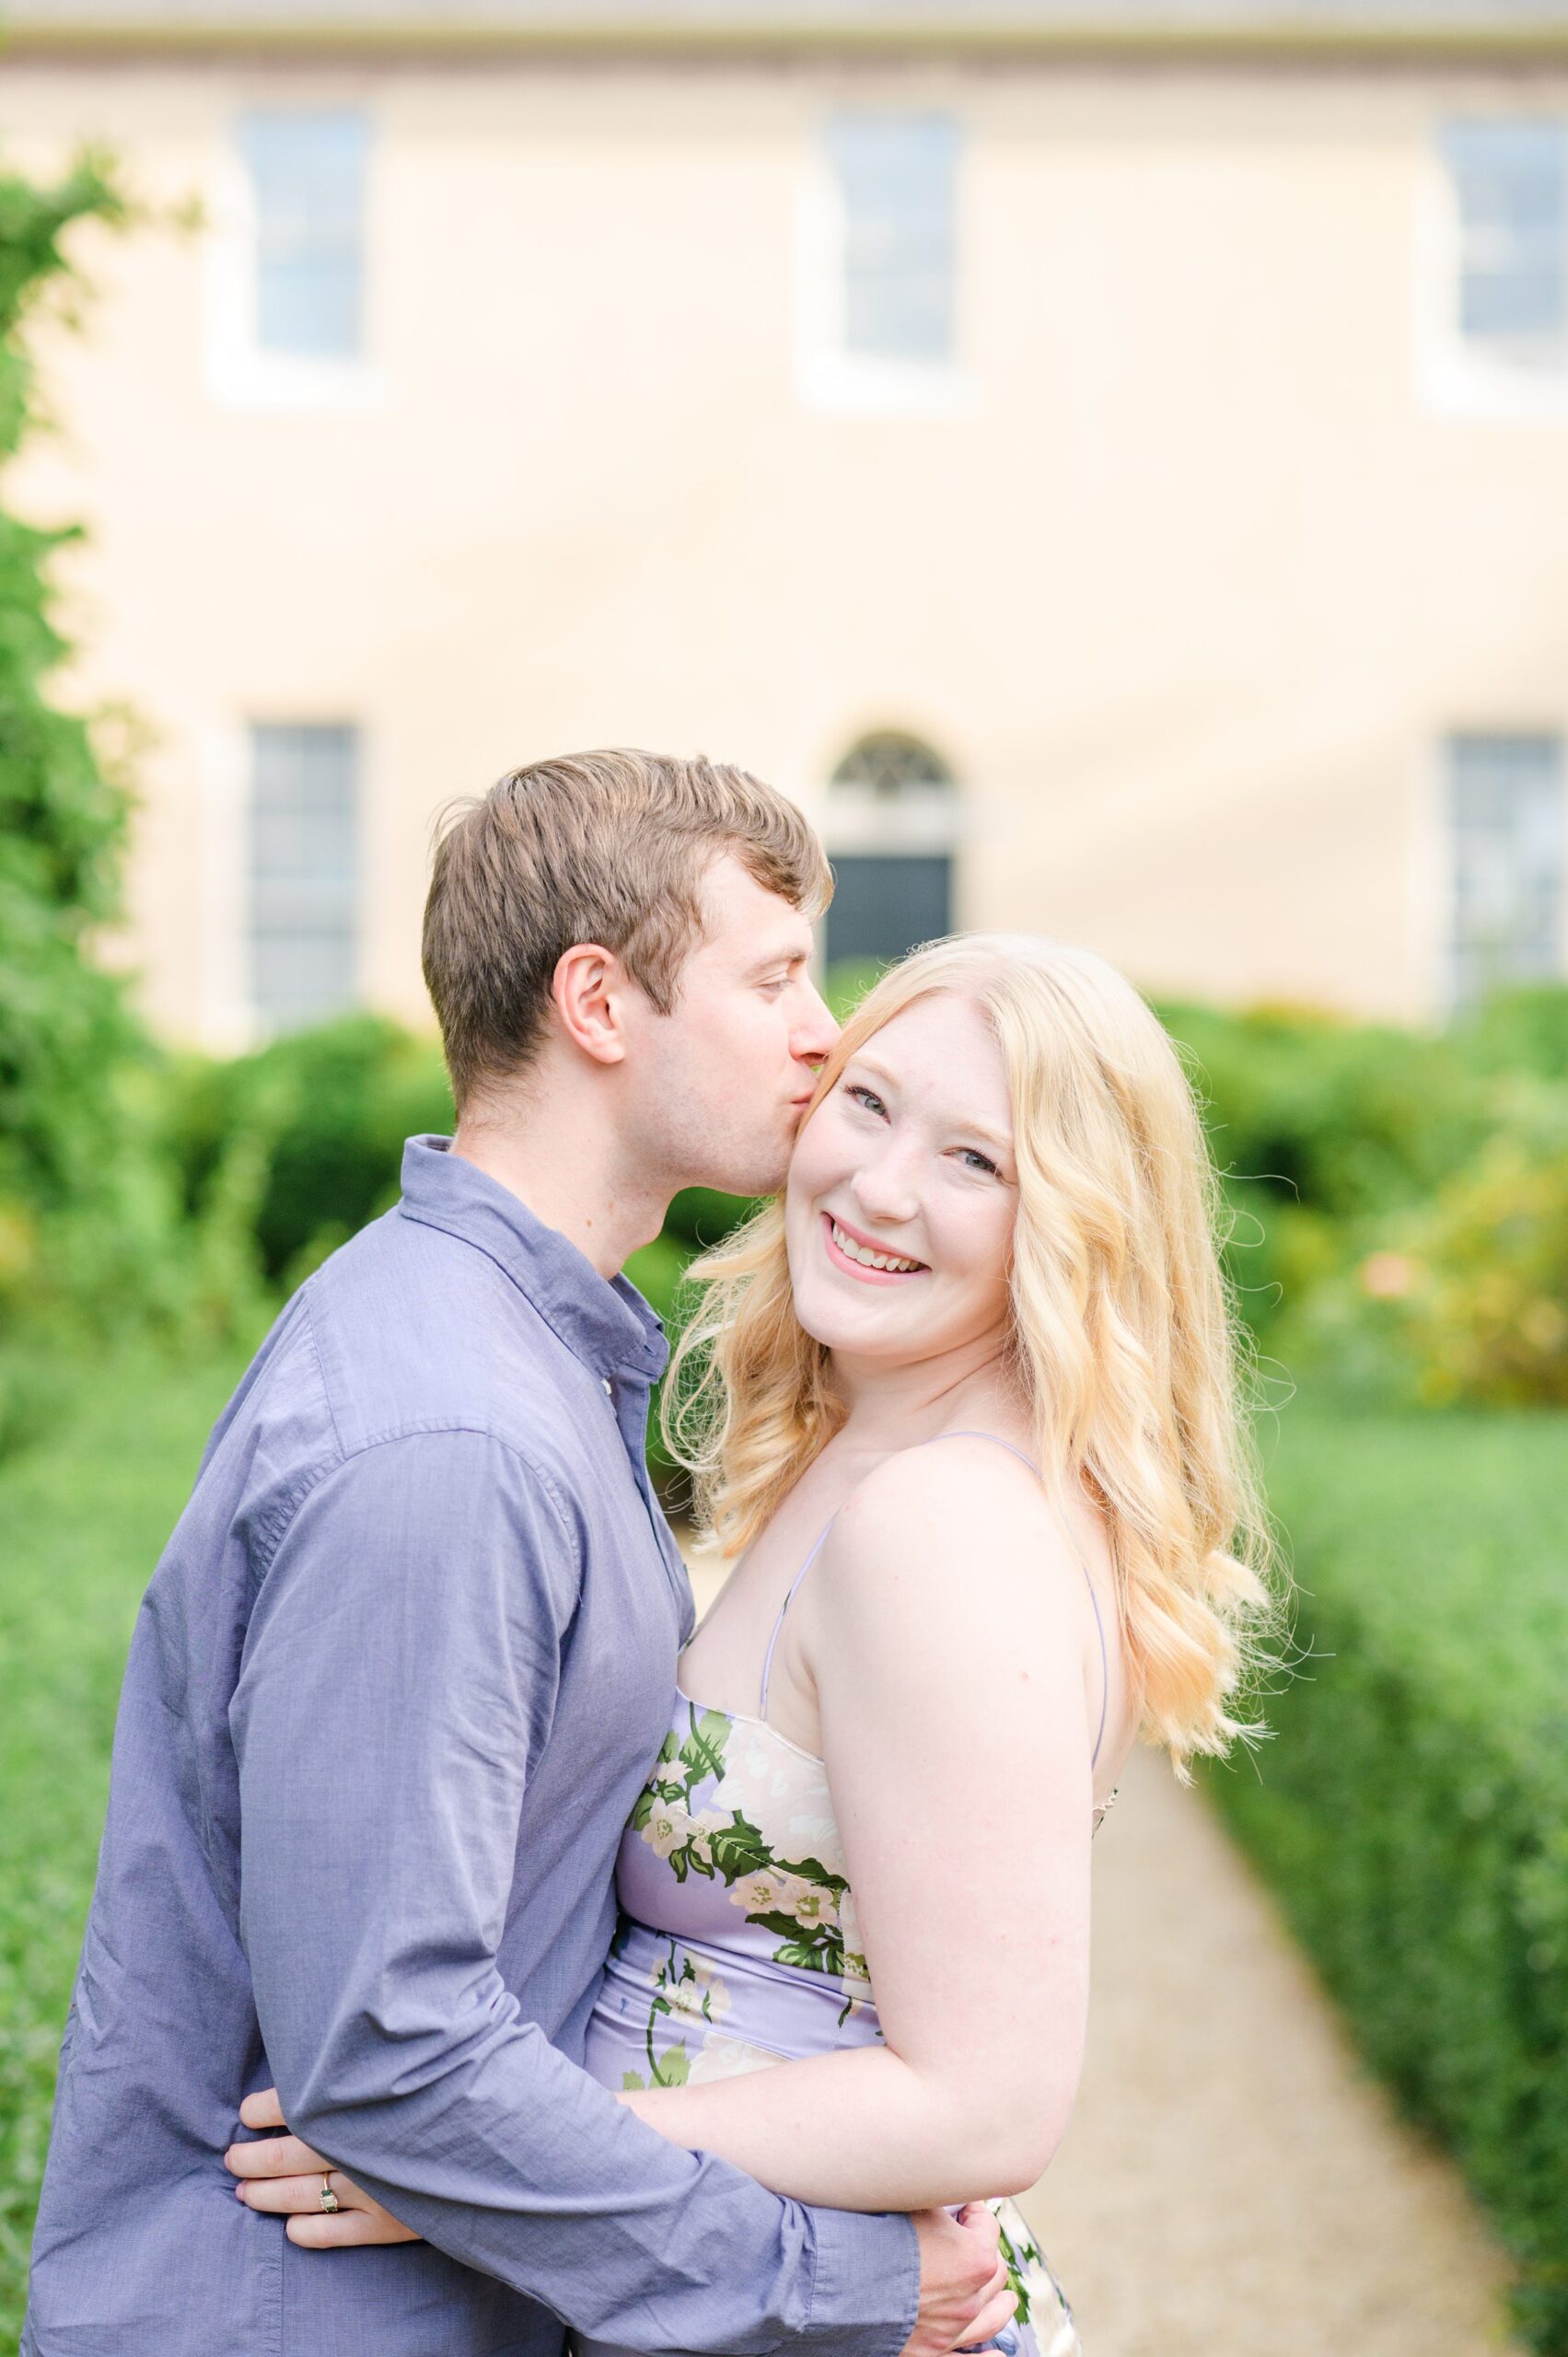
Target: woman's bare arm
{"type": "Point", "coordinates": [946, 1636]}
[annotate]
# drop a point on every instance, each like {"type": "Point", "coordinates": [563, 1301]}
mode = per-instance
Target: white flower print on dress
{"type": "Point", "coordinates": [683, 1996]}
{"type": "Point", "coordinates": [766, 1779]}
{"type": "Point", "coordinates": [728, 2058]}
{"type": "Point", "coordinates": [849, 1927]}
{"type": "Point", "coordinates": [812, 1905]}
{"type": "Point", "coordinates": [668, 1827]}
{"type": "Point", "coordinates": [717, 1994]}
{"type": "Point", "coordinates": [765, 1892]}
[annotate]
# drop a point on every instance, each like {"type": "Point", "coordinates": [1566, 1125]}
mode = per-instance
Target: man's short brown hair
{"type": "Point", "coordinates": [609, 847]}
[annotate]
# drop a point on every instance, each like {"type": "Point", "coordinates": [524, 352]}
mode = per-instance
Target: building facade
{"type": "Point", "coordinates": [1113, 472]}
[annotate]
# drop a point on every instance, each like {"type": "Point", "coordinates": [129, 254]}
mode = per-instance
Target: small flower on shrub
{"type": "Point", "coordinates": [1387, 1276]}
{"type": "Point", "coordinates": [1473, 1296]}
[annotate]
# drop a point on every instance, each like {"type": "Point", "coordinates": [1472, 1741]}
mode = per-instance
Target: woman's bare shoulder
{"type": "Point", "coordinates": [924, 1512]}
{"type": "Point", "coordinates": [948, 1574]}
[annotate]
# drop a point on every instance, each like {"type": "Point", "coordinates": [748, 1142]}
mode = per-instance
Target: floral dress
{"type": "Point", "coordinates": [738, 1946]}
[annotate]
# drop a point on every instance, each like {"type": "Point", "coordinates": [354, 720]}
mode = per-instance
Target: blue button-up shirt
{"type": "Point", "coordinates": [391, 1693]}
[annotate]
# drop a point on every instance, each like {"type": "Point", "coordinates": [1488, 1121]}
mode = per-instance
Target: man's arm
{"type": "Point", "coordinates": [398, 1680]}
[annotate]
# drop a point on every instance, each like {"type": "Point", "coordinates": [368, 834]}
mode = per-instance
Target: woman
{"type": "Point", "coordinates": [964, 1405]}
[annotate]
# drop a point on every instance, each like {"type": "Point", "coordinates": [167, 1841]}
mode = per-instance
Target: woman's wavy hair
{"type": "Point", "coordinates": [1124, 1342]}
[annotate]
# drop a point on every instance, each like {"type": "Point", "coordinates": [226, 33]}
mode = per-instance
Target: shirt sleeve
{"type": "Point", "coordinates": [399, 1677]}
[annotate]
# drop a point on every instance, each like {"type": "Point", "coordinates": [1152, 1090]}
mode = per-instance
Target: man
{"type": "Point", "coordinates": [399, 1676]}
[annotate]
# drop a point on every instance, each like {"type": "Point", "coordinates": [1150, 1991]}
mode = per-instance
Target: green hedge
{"type": "Point", "coordinates": [1412, 1810]}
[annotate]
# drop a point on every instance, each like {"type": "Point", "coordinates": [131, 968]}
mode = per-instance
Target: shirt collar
{"type": "Point", "coordinates": [606, 1323]}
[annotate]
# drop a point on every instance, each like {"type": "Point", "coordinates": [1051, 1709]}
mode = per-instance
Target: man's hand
{"type": "Point", "coordinates": [965, 2297]}
{"type": "Point", "coordinates": [280, 2173]}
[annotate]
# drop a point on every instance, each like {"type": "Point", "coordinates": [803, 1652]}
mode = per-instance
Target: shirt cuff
{"type": "Point", "coordinates": [865, 2291]}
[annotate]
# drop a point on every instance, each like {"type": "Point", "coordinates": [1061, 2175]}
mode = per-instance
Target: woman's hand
{"type": "Point", "coordinates": [282, 2175]}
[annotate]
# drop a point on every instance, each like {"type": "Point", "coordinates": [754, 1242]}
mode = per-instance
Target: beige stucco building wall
{"type": "Point", "coordinates": [1187, 574]}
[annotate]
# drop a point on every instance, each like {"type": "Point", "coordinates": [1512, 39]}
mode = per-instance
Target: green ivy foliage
{"type": "Point", "coordinates": [84, 1216]}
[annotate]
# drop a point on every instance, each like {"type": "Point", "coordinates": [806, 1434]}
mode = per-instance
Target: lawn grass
{"type": "Point", "coordinates": [84, 1515]}
{"type": "Point", "coordinates": [1411, 1810]}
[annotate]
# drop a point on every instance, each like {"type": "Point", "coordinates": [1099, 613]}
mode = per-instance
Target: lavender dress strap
{"type": "Point", "coordinates": [789, 1599]}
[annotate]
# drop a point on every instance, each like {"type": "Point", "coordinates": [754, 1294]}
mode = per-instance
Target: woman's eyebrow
{"type": "Point", "coordinates": [959, 1122]}
{"type": "Point", "coordinates": [991, 1137]}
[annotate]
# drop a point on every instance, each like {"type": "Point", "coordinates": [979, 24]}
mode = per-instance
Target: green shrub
{"type": "Point", "coordinates": [1522, 1031]}
{"type": "Point", "coordinates": [324, 1113]}
{"type": "Point", "coordinates": [1318, 1125]}
{"type": "Point", "coordinates": [1342, 1118]}
{"type": "Point", "coordinates": [1467, 1299]}
{"type": "Point", "coordinates": [1413, 1809]}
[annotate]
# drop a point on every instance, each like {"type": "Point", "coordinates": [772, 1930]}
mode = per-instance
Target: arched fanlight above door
{"type": "Point", "coordinates": [892, 811]}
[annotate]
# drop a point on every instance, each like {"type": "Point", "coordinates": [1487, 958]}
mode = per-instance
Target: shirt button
{"type": "Point", "coordinates": [608, 1387]}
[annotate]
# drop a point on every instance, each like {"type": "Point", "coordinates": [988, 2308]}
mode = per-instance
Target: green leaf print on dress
{"type": "Point", "coordinates": [799, 1899]}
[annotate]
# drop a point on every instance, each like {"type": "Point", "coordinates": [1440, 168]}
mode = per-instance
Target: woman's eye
{"type": "Point", "coordinates": [868, 1098]}
{"type": "Point", "coordinates": [974, 1160]}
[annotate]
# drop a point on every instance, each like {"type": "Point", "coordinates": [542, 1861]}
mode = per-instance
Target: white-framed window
{"type": "Point", "coordinates": [891, 823]}
{"type": "Point", "coordinates": [306, 173]}
{"type": "Point", "coordinates": [1496, 301]}
{"type": "Point", "coordinates": [879, 291]}
{"type": "Point", "coordinates": [302, 871]}
{"type": "Point", "coordinates": [1507, 825]}
{"type": "Point", "coordinates": [288, 292]}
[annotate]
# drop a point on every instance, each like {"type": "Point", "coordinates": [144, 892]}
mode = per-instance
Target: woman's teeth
{"type": "Point", "coordinates": [863, 1253]}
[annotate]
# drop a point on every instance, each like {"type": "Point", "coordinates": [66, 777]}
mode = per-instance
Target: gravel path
{"type": "Point", "coordinates": [1232, 2184]}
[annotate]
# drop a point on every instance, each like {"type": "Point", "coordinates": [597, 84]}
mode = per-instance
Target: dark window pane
{"type": "Point", "coordinates": [883, 905]}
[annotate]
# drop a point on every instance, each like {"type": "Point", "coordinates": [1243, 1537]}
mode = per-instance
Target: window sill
{"type": "Point", "coordinates": [848, 387]}
{"type": "Point", "coordinates": [273, 384]}
{"type": "Point", "coordinates": [1468, 383]}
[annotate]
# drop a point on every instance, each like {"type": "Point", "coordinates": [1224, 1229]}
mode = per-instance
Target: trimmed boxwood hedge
{"type": "Point", "coordinates": [1411, 1812]}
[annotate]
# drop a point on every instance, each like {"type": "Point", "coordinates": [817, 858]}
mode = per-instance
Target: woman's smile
{"type": "Point", "coordinates": [861, 1255]}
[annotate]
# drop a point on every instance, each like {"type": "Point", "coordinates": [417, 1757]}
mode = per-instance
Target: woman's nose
{"type": "Point", "coordinates": [885, 1189]}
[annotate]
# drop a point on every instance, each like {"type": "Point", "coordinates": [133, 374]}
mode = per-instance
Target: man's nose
{"type": "Point", "coordinates": [816, 1029]}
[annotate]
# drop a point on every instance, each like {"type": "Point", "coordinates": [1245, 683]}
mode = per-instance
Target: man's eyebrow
{"type": "Point", "coordinates": [786, 953]}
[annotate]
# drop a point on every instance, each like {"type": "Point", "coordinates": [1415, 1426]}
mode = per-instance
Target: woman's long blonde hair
{"type": "Point", "coordinates": [1124, 1342]}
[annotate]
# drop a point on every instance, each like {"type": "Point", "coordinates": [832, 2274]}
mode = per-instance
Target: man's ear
{"type": "Point", "coordinates": [589, 988]}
